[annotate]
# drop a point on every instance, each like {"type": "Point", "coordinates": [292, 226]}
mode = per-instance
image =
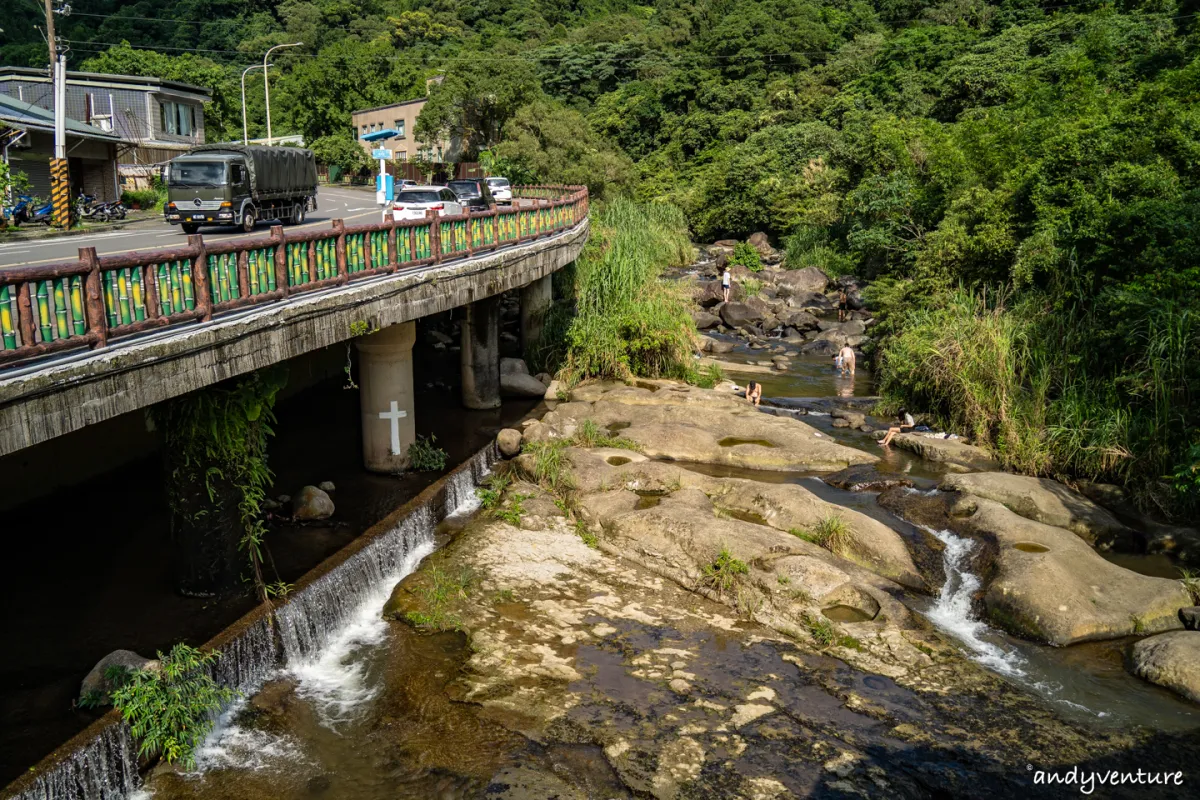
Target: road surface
{"type": "Point", "coordinates": [355, 206]}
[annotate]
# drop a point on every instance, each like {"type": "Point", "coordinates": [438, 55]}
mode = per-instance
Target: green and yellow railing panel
{"type": "Point", "coordinates": [223, 277]}
{"type": "Point", "coordinates": [379, 249]}
{"type": "Point", "coordinates": [124, 296]}
{"type": "Point", "coordinates": [297, 263]}
{"type": "Point", "coordinates": [260, 270]}
{"type": "Point", "coordinates": [174, 279]}
{"type": "Point", "coordinates": [325, 253]}
{"type": "Point", "coordinates": [422, 246]}
{"type": "Point", "coordinates": [356, 252]}
{"type": "Point", "coordinates": [8, 318]}
{"type": "Point", "coordinates": [57, 309]}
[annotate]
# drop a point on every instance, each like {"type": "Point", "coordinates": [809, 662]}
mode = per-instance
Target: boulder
{"type": "Point", "coordinates": [553, 389]}
{"type": "Point", "coordinates": [801, 320]}
{"type": "Point", "coordinates": [513, 366]}
{"type": "Point", "coordinates": [802, 282]}
{"type": "Point", "coordinates": [517, 384]}
{"type": "Point", "coordinates": [865, 478]}
{"type": "Point", "coordinates": [947, 451]}
{"type": "Point", "coordinates": [739, 315]}
{"type": "Point", "coordinates": [761, 243]}
{"type": "Point", "coordinates": [712, 345]}
{"type": "Point", "coordinates": [854, 419]}
{"type": "Point", "coordinates": [1171, 660]}
{"type": "Point", "coordinates": [327, 486]}
{"type": "Point", "coordinates": [705, 320]}
{"type": "Point", "coordinates": [1049, 585]}
{"type": "Point", "coordinates": [811, 300]}
{"type": "Point", "coordinates": [710, 293]}
{"type": "Point", "coordinates": [312, 503]}
{"type": "Point", "coordinates": [1043, 500]}
{"type": "Point", "coordinates": [725, 244]}
{"type": "Point", "coordinates": [96, 685]}
{"type": "Point", "coordinates": [509, 442]}
{"type": "Point", "coordinates": [1190, 617]}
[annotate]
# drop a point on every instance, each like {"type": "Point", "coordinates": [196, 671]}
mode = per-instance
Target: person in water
{"type": "Point", "coordinates": [846, 355]}
{"type": "Point", "coordinates": [754, 392]}
{"type": "Point", "coordinates": [906, 424]}
{"type": "Point", "coordinates": [726, 280]}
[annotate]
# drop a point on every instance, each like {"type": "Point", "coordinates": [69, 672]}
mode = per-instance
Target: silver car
{"type": "Point", "coordinates": [501, 190]}
{"type": "Point", "coordinates": [414, 201]}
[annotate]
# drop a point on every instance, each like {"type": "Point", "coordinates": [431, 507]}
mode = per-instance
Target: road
{"type": "Point", "coordinates": [356, 206]}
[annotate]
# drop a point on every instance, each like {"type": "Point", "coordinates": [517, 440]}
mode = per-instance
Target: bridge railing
{"type": "Point", "coordinates": [95, 299]}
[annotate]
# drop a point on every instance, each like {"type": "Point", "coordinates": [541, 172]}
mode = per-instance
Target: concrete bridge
{"type": "Point", "coordinates": [85, 341]}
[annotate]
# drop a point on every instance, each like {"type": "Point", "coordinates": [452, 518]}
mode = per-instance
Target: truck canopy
{"type": "Point", "coordinates": [273, 170]}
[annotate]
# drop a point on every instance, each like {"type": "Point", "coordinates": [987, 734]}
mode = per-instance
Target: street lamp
{"type": "Point", "coordinates": [246, 130]}
{"type": "Point", "coordinates": [267, 84]}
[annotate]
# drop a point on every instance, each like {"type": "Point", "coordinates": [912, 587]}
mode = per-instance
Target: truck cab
{"type": "Point", "coordinates": [240, 185]}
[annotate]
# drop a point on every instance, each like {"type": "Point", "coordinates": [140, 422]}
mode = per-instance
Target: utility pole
{"type": "Point", "coordinates": [60, 178]}
{"type": "Point", "coordinates": [267, 85]}
{"type": "Point", "coordinates": [245, 127]}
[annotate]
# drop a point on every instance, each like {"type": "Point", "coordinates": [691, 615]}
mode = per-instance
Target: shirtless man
{"type": "Point", "coordinates": [846, 354]}
{"type": "Point", "coordinates": [754, 392]}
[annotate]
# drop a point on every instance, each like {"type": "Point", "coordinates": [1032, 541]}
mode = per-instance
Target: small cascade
{"type": "Point", "coordinates": [105, 768]}
{"type": "Point", "coordinates": [953, 613]}
{"type": "Point", "coordinates": [317, 627]}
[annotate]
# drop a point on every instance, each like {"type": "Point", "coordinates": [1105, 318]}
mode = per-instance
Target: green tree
{"type": "Point", "coordinates": [343, 152]}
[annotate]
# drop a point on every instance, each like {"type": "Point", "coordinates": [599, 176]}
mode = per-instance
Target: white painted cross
{"type": "Point", "coordinates": [395, 415]}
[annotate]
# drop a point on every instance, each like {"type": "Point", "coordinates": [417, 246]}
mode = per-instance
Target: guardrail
{"type": "Point", "coordinates": [93, 300]}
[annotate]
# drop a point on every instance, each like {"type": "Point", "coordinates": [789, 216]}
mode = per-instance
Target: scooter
{"type": "Point", "coordinates": [86, 207]}
{"type": "Point", "coordinates": [43, 214]}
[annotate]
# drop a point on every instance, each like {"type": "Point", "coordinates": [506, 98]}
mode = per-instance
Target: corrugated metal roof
{"type": "Point", "coordinates": [19, 114]}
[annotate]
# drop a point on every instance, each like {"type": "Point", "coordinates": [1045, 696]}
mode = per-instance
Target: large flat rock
{"type": "Point", "coordinates": [1043, 500]}
{"type": "Point", "coordinates": [1049, 585]}
{"type": "Point", "coordinates": [953, 452]}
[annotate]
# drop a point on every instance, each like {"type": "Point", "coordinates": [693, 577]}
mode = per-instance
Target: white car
{"type": "Point", "coordinates": [501, 190]}
{"type": "Point", "coordinates": [414, 201]}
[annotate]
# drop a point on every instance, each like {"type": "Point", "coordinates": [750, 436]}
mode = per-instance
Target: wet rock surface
{"type": "Point", "coordinates": [1171, 660]}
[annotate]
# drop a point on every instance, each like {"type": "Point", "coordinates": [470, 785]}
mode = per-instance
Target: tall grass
{"type": "Point", "coordinates": [627, 320]}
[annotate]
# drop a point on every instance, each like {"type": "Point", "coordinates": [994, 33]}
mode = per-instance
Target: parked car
{"type": "Point", "coordinates": [405, 183]}
{"type": "Point", "coordinates": [474, 193]}
{"type": "Point", "coordinates": [413, 201]}
{"type": "Point", "coordinates": [501, 190]}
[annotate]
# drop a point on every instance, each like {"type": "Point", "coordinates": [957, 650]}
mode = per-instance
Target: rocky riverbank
{"type": "Point", "coordinates": [723, 636]}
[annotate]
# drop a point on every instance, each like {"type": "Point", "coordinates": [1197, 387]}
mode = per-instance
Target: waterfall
{"type": "Point", "coordinates": [952, 611]}
{"type": "Point", "coordinates": [323, 613]}
{"type": "Point", "coordinates": [103, 769]}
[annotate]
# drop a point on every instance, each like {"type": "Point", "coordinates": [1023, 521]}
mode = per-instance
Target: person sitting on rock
{"type": "Point", "coordinates": [907, 423]}
{"type": "Point", "coordinates": [846, 354]}
{"type": "Point", "coordinates": [726, 280]}
{"type": "Point", "coordinates": [843, 304]}
{"type": "Point", "coordinates": [754, 392]}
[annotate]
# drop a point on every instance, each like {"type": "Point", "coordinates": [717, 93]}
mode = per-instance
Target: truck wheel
{"type": "Point", "coordinates": [248, 220]}
{"type": "Point", "coordinates": [190, 227]}
{"type": "Point", "coordinates": [298, 214]}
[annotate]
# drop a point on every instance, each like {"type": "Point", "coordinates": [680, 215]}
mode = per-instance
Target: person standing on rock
{"type": "Point", "coordinates": [846, 354]}
{"type": "Point", "coordinates": [726, 279]}
{"type": "Point", "coordinates": [843, 304]}
{"type": "Point", "coordinates": [907, 423]}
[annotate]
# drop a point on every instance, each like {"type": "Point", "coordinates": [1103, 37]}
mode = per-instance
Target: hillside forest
{"type": "Point", "coordinates": [1015, 182]}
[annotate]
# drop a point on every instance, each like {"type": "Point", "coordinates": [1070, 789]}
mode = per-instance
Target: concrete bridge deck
{"type": "Point", "coordinates": [66, 391]}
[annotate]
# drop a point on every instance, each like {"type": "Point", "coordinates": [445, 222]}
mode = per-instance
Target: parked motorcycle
{"type": "Point", "coordinates": [29, 209]}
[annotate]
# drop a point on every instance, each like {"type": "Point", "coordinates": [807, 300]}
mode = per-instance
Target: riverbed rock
{"type": "Point", "coordinates": [865, 478]}
{"type": "Point", "coordinates": [801, 282]}
{"type": "Point", "coordinates": [1050, 586]}
{"type": "Point", "coordinates": [705, 320]}
{"type": "Point", "coordinates": [717, 346]}
{"type": "Point", "coordinates": [1171, 660]}
{"type": "Point", "coordinates": [760, 242]}
{"type": "Point", "coordinates": [1190, 617]}
{"type": "Point", "coordinates": [96, 685]}
{"type": "Point", "coordinates": [711, 293]}
{"type": "Point", "coordinates": [955, 453]}
{"type": "Point", "coordinates": [327, 486]}
{"type": "Point", "coordinates": [554, 389]}
{"type": "Point", "coordinates": [740, 315]}
{"type": "Point", "coordinates": [516, 384]}
{"type": "Point", "coordinates": [311, 503]}
{"type": "Point", "coordinates": [854, 419]}
{"type": "Point", "coordinates": [1044, 500]}
{"type": "Point", "coordinates": [509, 442]}
{"type": "Point", "coordinates": [513, 366]}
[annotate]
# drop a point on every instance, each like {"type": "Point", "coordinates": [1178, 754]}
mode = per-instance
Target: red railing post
{"type": "Point", "coordinates": [201, 289]}
{"type": "Point", "coordinates": [25, 311]}
{"type": "Point", "coordinates": [281, 270]}
{"type": "Point", "coordinates": [94, 298]}
{"type": "Point", "coordinates": [150, 290]}
{"type": "Point", "coordinates": [339, 249]}
{"type": "Point", "coordinates": [243, 273]}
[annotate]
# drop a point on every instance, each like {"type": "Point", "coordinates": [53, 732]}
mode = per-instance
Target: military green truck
{"type": "Point", "coordinates": [235, 184]}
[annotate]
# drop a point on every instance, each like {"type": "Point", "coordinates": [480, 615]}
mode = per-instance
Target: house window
{"type": "Point", "coordinates": [402, 155]}
{"type": "Point", "coordinates": [177, 119]}
{"type": "Point", "coordinates": [364, 132]}
{"type": "Point", "coordinates": [399, 129]}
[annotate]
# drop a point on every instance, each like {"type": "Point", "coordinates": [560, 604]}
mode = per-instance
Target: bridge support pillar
{"type": "Point", "coordinates": [535, 302]}
{"type": "Point", "coordinates": [481, 354]}
{"type": "Point", "coordinates": [386, 397]}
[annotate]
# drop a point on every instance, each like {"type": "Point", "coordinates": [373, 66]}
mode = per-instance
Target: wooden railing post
{"type": "Point", "coordinates": [495, 227]}
{"type": "Point", "coordinates": [97, 321]}
{"type": "Point", "coordinates": [201, 289]}
{"type": "Point", "coordinates": [393, 259]}
{"type": "Point", "coordinates": [150, 291]}
{"type": "Point", "coordinates": [435, 235]}
{"type": "Point", "coordinates": [281, 270]}
{"type": "Point", "coordinates": [25, 312]}
{"type": "Point", "coordinates": [243, 273]}
{"type": "Point", "coordinates": [339, 248]}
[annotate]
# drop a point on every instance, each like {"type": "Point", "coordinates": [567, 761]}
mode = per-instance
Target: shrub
{"type": "Point", "coordinates": [148, 199]}
{"type": "Point", "coordinates": [744, 255]}
{"type": "Point", "coordinates": [830, 532]}
{"type": "Point", "coordinates": [425, 456]}
{"type": "Point", "coordinates": [821, 630]}
{"type": "Point", "coordinates": [588, 434]}
{"type": "Point", "coordinates": [171, 709]}
{"type": "Point", "coordinates": [437, 592]}
{"type": "Point", "coordinates": [810, 247]}
{"type": "Point", "coordinates": [493, 490]}
{"type": "Point", "coordinates": [722, 573]}
{"type": "Point", "coordinates": [550, 468]}
{"type": "Point", "coordinates": [707, 376]}
{"type": "Point", "coordinates": [752, 287]}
